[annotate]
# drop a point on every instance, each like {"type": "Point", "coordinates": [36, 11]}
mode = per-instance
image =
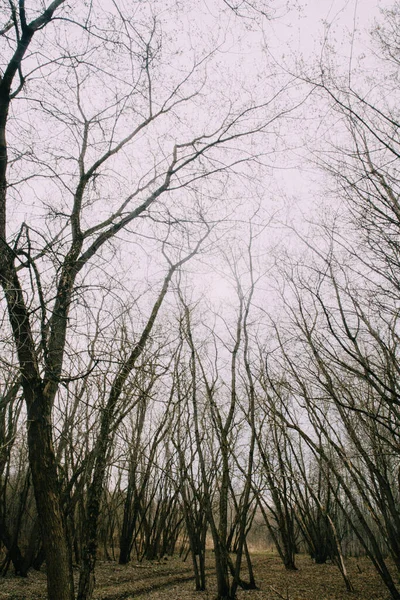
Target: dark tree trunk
{"type": "Point", "coordinates": [47, 494]}
{"type": "Point", "coordinates": [13, 555]}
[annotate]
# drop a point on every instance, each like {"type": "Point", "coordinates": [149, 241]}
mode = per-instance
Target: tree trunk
{"type": "Point", "coordinates": [47, 493]}
{"type": "Point", "coordinates": [222, 571]}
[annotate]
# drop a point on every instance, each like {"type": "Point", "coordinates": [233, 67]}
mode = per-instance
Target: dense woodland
{"type": "Point", "coordinates": [141, 415]}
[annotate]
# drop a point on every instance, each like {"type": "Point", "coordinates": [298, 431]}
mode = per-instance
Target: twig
{"type": "Point", "coordinates": [279, 594]}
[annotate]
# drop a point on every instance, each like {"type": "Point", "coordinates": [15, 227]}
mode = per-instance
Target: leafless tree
{"type": "Point", "coordinates": [95, 156]}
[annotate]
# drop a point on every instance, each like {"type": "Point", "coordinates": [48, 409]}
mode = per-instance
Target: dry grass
{"type": "Point", "coordinates": [172, 580]}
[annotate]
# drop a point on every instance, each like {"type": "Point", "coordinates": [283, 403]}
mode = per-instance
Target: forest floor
{"type": "Point", "coordinates": [172, 579]}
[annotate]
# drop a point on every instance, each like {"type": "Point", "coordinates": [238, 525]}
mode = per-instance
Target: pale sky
{"type": "Point", "coordinates": [291, 187]}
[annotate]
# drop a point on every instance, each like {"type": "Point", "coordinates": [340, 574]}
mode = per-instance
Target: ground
{"type": "Point", "coordinates": [172, 580]}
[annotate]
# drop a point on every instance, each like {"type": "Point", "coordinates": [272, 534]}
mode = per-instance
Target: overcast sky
{"type": "Point", "coordinates": [293, 191]}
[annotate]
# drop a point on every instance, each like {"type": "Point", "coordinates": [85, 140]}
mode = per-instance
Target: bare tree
{"type": "Point", "coordinates": [96, 158]}
{"type": "Point", "coordinates": [224, 388]}
{"type": "Point", "coordinates": [319, 382]}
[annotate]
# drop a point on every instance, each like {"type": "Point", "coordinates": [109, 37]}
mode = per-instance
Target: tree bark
{"type": "Point", "coordinates": [47, 494]}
